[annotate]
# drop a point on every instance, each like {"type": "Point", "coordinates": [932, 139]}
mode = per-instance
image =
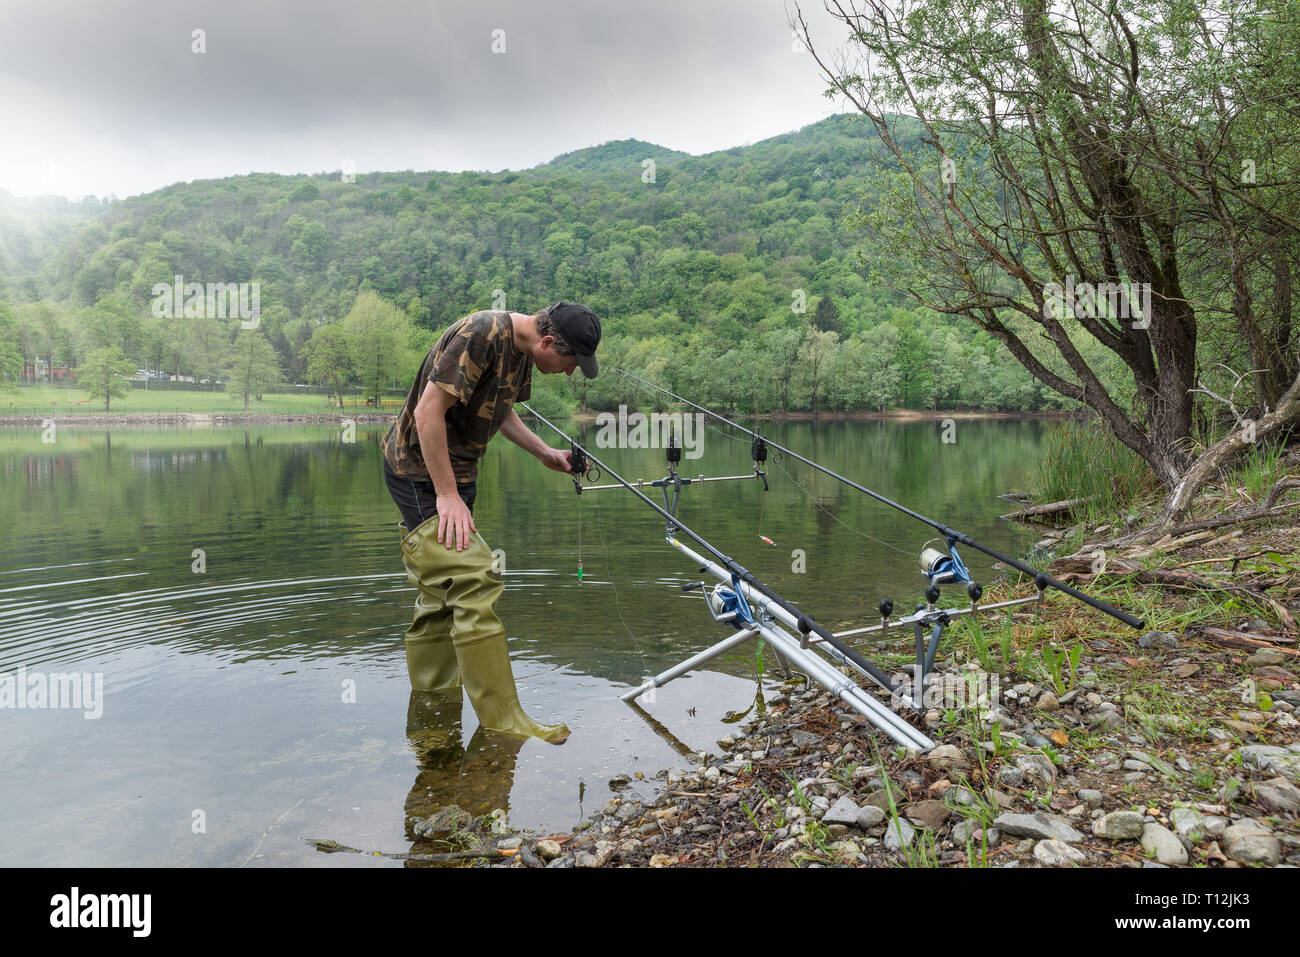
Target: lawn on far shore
{"type": "Point", "coordinates": [48, 399]}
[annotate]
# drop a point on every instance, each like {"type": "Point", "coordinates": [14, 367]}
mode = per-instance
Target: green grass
{"type": "Point", "coordinates": [1257, 469]}
{"type": "Point", "coordinates": [992, 641]}
{"type": "Point", "coordinates": [1084, 460]}
{"type": "Point", "coordinates": [47, 399]}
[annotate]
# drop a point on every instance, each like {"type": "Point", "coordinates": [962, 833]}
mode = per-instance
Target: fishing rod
{"type": "Point", "coordinates": [1042, 580]}
{"type": "Point", "coordinates": [805, 623]}
{"type": "Point", "coordinates": [755, 608]}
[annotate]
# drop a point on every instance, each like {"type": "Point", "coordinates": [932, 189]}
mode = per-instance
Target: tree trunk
{"type": "Point", "coordinates": [1207, 466]}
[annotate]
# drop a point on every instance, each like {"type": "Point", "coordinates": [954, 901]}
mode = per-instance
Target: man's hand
{"type": "Point", "coordinates": [454, 521]}
{"type": "Point", "coordinates": [558, 459]}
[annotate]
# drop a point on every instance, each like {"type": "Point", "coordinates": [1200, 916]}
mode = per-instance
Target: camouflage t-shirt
{"type": "Point", "coordinates": [477, 362]}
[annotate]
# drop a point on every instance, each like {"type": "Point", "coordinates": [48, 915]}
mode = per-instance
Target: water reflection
{"type": "Point", "coordinates": [476, 778]}
{"type": "Point", "coordinates": [223, 686]}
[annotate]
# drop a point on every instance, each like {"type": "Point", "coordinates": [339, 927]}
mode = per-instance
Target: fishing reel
{"type": "Point", "coordinates": [947, 569]}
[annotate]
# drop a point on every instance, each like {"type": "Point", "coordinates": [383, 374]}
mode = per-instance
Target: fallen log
{"type": "Point", "coordinates": [1048, 508]}
{"type": "Point", "coordinates": [1246, 640]}
{"type": "Point", "coordinates": [1085, 568]}
{"type": "Point", "coordinates": [1269, 509]}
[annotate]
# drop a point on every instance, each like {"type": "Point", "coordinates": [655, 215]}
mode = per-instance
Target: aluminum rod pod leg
{"type": "Point", "coordinates": [814, 665]}
{"type": "Point", "coordinates": [690, 664]}
{"type": "Point", "coordinates": [848, 691]}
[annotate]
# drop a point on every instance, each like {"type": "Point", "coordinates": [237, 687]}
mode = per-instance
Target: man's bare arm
{"type": "Point", "coordinates": [455, 523]}
{"type": "Point", "coordinates": [514, 429]}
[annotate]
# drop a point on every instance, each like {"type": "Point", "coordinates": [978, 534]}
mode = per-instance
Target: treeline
{"type": "Point", "coordinates": [709, 269]}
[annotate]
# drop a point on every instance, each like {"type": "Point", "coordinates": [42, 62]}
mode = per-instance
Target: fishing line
{"type": "Point", "coordinates": [618, 605]}
{"type": "Point", "coordinates": [812, 498]}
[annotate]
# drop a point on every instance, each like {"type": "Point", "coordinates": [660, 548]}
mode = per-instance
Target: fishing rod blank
{"type": "Point", "coordinates": [1041, 579]}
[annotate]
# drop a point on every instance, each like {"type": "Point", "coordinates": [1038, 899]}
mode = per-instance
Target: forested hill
{"type": "Point", "coordinates": [707, 255]}
{"type": "Point", "coordinates": [32, 230]}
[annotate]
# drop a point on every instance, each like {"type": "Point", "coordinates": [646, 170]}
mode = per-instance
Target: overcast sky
{"type": "Point", "coordinates": [102, 97]}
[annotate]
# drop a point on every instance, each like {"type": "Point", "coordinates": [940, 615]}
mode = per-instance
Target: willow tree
{"type": "Point", "coordinates": [1102, 186]}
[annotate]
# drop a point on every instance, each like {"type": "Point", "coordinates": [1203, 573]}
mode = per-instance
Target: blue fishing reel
{"type": "Point", "coordinates": [949, 569]}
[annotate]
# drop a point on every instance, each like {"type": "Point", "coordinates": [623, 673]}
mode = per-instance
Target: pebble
{"type": "Point", "coordinates": [1049, 702]}
{"type": "Point", "coordinates": [928, 814]}
{"type": "Point", "coordinates": [1158, 639]}
{"type": "Point", "coordinates": [804, 739]}
{"type": "Point", "coordinates": [846, 851]}
{"type": "Point", "coordinates": [843, 811]}
{"type": "Point", "coordinates": [1215, 826]}
{"type": "Point", "coordinates": [548, 850]}
{"type": "Point", "coordinates": [1270, 757]}
{"type": "Point", "coordinates": [1251, 846]}
{"type": "Point", "coordinates": [1267, 656]}
{"type": "Point", "coordinates": [1159, 840]}
{"type": "Point", "coordinates": [1279, 794]}
{"type": "Point", "coordinates": [899, 835]}
{"type": "Point", "coordinates": [1090, 797]}
{"type": "Point", "coordinates": [1119, 826]}
{"type": "Point", "coordinates": [947, 756]}
{"type": "Point", "coordinates": [1037, 769]}
{"type": "Point", "coordinates": [1010, 777]}
{"type": "Point", "coordinates": [963, 831]}
{"type": "Point", "coordinates": [1057, 854]}
{"type": "Point", "coordinates": [1107, 719]}
{"type": "Point", "coordinates": [868, 817]}
{"type": "Point", "coordinates": [1189, 823]}
{"type": "Point", "coordinates": [1039, 825]}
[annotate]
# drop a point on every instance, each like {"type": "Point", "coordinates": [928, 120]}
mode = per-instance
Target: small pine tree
{"type": "Point", "coordinates": [826, 318]}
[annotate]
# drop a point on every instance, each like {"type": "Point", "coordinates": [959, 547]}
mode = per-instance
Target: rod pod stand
{"type": "Point", "coordinates": [772, 617]}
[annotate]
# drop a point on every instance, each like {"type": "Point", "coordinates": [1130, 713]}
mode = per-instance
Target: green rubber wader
{"type": "Point", "coordinates": [466, 583]}
{"type": "Point", "coordinates": [430, 656]}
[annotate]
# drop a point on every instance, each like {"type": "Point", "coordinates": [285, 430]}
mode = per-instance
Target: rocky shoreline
{"type": "Point", "coordinates": [1149, 760]}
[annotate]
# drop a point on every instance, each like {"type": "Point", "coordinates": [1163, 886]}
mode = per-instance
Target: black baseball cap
{"type": "Point", "coordinates": [578, 326]}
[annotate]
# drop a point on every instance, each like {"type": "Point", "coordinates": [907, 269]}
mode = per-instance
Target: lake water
{"type": "Point", "coordinates": [240, 594]}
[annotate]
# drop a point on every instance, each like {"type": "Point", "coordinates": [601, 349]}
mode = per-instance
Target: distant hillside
{"type": "Point", "coordinates": [31, 230]}
{"type": "Point", "coordinates": [713, 253]}
{"type": "Point", "coordinates": [582, 225]}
